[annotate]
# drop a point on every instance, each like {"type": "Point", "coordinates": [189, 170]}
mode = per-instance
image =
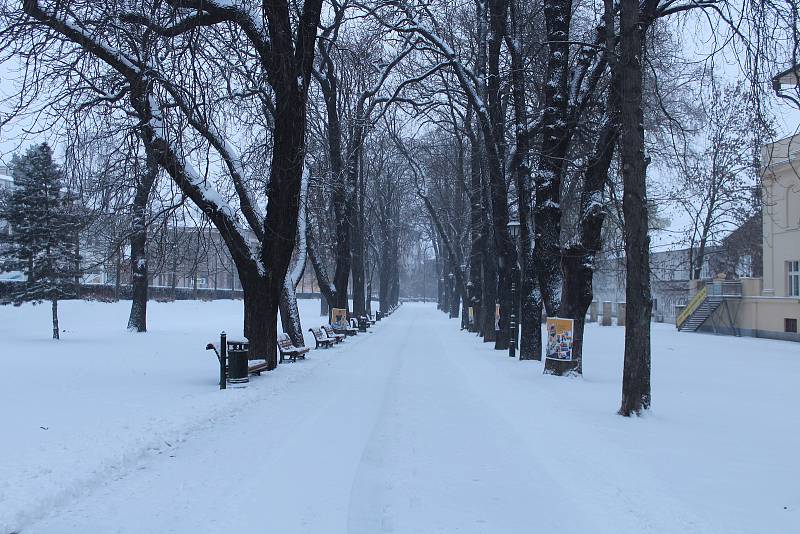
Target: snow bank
{"type": "Point", "coordinates": [717, 453]}
{"type": "Point", "coordinates": [418, 427]}
{"type": "Point", "coordinates": [82, 410]}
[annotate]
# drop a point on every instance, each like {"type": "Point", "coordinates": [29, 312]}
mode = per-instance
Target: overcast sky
{"type": "Point", "coordinates": [695, 43]}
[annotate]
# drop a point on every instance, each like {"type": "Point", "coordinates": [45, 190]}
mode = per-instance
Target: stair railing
{"type": "Point", "coordinates": [695, 303]}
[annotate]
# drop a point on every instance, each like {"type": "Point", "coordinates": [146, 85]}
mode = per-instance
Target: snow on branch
{"type": "Point", "coordinates": [229, 154]}
{"type": "Point", "coordinates": [295, 271]}
{"type": "Point", "coordinates": [139, 77]}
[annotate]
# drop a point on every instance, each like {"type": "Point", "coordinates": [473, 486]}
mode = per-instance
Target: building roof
{"type": "Point", "coordinates": [789, 76]}
{"type": "Point", "coordinates": [780, 152]}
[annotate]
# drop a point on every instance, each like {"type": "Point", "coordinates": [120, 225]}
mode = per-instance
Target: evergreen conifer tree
{"type": "Point", "coordinates": [43, 243]}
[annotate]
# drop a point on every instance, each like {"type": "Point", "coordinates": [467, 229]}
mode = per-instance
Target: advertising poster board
{"type": "Point", "coordinates": [497, 317]}
{"type": "Point", "coordinates": [559, 338]}
{"type": "Point", "coordinates": [339, 316]}
{"type": "Point", "coordinates": [471, 315]}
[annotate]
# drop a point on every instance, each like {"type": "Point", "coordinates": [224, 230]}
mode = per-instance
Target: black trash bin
{"type": "Point", "coordinates": [362, 324]}
{"type": "Point", "coordinates": [237, 365]}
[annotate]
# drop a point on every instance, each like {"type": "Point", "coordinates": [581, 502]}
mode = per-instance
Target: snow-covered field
{"type": "Point", "coordinates": [413, 428]}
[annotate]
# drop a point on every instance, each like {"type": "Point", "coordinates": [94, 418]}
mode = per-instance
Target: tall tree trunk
{"type": "Point", "coordinates": [484, 138]}
{"type": "Point", "coordinates": [489, 276]}
{"type": "Point", "coordinates": [475, 284]}
{"type": "Point", "coordinates": [455, 299]}
{"type": "Point", "coordinates": [342, 194]}
{"type": "Point", "coordinates": [579, 258]}
{"type": "Point", "coordinates": [369, 298]}
{"type": "Point", "coordinates": [530, 304]}
{"type": "Point", "coordinates": [530, 341]}
{"type": "Point", "coordinates": [175, 269]}
{"type": "Point", "coordinates": [118, 272]}
{"type": "Point", "coordinates": [357, 183]}
{"type": "Point", "coordinates": [78, 273]}
{"type": "Point", "coordinates": [290, 314]}
{"type": "Point", "coordinates": [505, 249]}
{"type": "Point", "coordinates": [394, 288]}
{"type": "Point", "coordinates": [554, 144]}
{"type": "Point", "coordinates": [256, 329]}
{"type": "Point", "coordinates": [343, 259]}
{"type": "Point", "coordinates": [384, 279]}
{"type": "Point", "coordinates": [54, 306]}
{"type": "Point", "coordinates": [357, 251]}
{"type": "Point", "coordinates": [636, 371]}
{"type": "Point", "coordinates": [284, 191]}
{"type": "Point", "coordinates": [137, 320]}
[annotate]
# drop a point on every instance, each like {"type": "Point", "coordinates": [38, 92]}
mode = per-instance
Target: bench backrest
{"type": "Point", "coordinates": [329, 331]}
{"type": "Point", "coordinates": [284, 342]}
{"type": "Point", "coordinates": [318, 334]}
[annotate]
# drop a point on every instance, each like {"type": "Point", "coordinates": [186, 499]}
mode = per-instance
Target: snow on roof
{"type": "Point", "coordinates": [789, 76]}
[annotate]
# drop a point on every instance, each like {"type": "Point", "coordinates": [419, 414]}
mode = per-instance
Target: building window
{"type": "Point", "coordinates": [790, 326]}
{"type": "Point", "coordinates": [794, 278]}
{"type": "Point", "coordinates": [745, 265]}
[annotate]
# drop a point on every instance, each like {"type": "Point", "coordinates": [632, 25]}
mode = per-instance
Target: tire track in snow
{"type": "Point", "coordinates": [440, 460]}
{"type": "Point", "coordinates": [284, 466]}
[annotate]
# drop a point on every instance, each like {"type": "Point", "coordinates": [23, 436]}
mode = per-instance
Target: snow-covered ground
{"type": "Point", "coordinates": [413, 428]}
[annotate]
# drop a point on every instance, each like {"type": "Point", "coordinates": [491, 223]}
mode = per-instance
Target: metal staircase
{"type": "Point", "coordinates": [703, 312]}
{"type": "Point", "coordinates": [705, 303]}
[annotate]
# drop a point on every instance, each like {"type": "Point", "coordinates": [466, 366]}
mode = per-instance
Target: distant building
{"type": "Point", "coordinates": [766, 303]}
{"type": "Point", "coordinates": [182, 260]}
{"type": "Point", "coordinates": [781, 225]}
{"type": "Point", "coordinates": [669, 279]}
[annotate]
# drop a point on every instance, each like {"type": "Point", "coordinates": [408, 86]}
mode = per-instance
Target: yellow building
{"type": "Point", "coordinates": [769, 306]}
{"type": "Point", "coordinates": [781, 220]}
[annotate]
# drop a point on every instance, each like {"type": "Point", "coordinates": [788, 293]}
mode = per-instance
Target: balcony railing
{"type": "Point", "coordinates": [725, 289]}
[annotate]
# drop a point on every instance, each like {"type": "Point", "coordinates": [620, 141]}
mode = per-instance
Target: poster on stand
{"type": "Point", "coordinates": [559, 338]}
{"type": "Point", "coordinates": [339, 317]}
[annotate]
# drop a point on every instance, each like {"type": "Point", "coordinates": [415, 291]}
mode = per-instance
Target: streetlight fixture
{"type": "Point", "coordinates": [513, 230]}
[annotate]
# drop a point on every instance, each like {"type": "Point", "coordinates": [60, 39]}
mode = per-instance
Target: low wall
{"type": "Point", "coordinates": [756, 317]}
{"type": "Point", "coordinates": [108, 293]}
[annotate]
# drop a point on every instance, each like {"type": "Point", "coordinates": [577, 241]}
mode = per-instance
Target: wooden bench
{"type": "Point", "coordinates": [342, 329]}
{"type": "Point", "coordinates": [322, 339]}
{"type": "Point", "coordinates": [331, 333]}
{"type": "Point", "coordinates": [288, 350]}
{"type": "Point", "coordinates": [257, 368]}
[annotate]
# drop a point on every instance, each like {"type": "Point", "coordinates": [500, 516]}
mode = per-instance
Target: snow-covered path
{"type": "Point", "coordinates": [415, 427]}
{"type": "Point", "coordinates": [385, 436]}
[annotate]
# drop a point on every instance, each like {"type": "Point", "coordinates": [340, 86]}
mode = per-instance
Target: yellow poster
{"type": "Point", "coordinates": [559, 338]}
{"type": "Point", "coordinates": [339, 316]}
{"type": "Point", "coordinates": [471, 315]}
{"type": "Point", "coordinates": [497, 317]}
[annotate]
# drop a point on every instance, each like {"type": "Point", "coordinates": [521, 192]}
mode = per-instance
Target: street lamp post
{"type": "Point", "coordinates": [513, 230]}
